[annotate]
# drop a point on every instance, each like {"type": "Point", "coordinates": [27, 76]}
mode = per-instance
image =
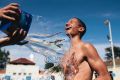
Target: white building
{"type": "Point", "coordinates": [21, 69]}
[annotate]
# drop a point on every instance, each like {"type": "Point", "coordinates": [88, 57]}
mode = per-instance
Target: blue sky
{"type": "Point", "coordinates": [56, 13]}
{"type": "Point", "coordinates": [50, 16]}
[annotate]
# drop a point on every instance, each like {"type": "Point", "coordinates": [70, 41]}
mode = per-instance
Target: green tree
{"type": "Point", "coordinates": [108, 51]}
{"type": "Point", "coordinates": [52, 67]}
{"type": "Point", "coordinates": [4, 58]}
{"type": "Point", "coordinates": [57, 68]}
{"type": "Point", "coordinates": [48, 65]}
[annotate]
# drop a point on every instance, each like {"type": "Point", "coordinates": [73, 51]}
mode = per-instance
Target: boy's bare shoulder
{"type": "Point", "coordinates": [88, 45]}
{"type": "Point", "coordinates": [89, 48]}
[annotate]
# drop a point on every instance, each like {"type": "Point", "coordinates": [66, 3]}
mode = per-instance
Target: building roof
{"type": "Point", "coordinates": [2, 71]}
{"type": "Point", "coordinates": [23, 61]}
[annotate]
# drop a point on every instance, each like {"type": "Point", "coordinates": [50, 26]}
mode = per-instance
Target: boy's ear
{"type": "Point", "coordinates": [81, 29]}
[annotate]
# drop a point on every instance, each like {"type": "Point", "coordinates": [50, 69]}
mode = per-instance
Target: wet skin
{"type": "Point", "coordinates": [82, 58]}
{"type": "Point", "coordinates": [76, 66]}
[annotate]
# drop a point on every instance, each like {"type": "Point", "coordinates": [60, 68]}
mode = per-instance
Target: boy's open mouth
{"type": "Point", "coordinates": [67, 28]}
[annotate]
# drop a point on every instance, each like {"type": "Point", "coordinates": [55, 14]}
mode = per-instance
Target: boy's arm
{"type": "Point", "coordinates": [97, 63]}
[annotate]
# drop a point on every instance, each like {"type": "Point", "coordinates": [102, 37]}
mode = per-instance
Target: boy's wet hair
{"type": "Point", "coordinates": [83, 25]}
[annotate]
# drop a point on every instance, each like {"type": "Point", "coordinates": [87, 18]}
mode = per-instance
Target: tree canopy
{"type": "Point", "coordinates": [4, 58]}
{"type": "Point", "coordinates": [108, 51]}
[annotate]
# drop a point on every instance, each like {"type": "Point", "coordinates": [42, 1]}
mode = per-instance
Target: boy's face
{"type": "Point", "coordinates": [72, 27]}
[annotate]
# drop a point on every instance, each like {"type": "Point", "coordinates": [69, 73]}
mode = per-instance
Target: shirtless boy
{"type": "Point", "coordinates": [82, 58]}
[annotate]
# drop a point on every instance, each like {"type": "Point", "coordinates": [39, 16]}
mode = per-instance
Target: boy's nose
{"type": "Point", "coordinates": [67, 25]}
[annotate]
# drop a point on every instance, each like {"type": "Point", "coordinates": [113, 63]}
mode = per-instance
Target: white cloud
{"type": "Point", "coordinates": [104, 15]}
{"type": "Point", "coordinates": [107, 14]}
{"type": "Point", "coordinates": [22, 51]}
{"type": "Point", "coordinates": [42, 25]}
{"type": "Point", "coordinates": [110, 15]}
{"type": "Point", "coordinates": [101, 48]}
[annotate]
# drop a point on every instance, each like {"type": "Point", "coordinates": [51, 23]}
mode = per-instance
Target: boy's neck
{"type": "Point", "coordinates": [75, 41]}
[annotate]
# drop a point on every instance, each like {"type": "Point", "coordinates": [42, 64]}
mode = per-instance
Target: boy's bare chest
{"type": "Point", "coordinates": [74, 57]}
